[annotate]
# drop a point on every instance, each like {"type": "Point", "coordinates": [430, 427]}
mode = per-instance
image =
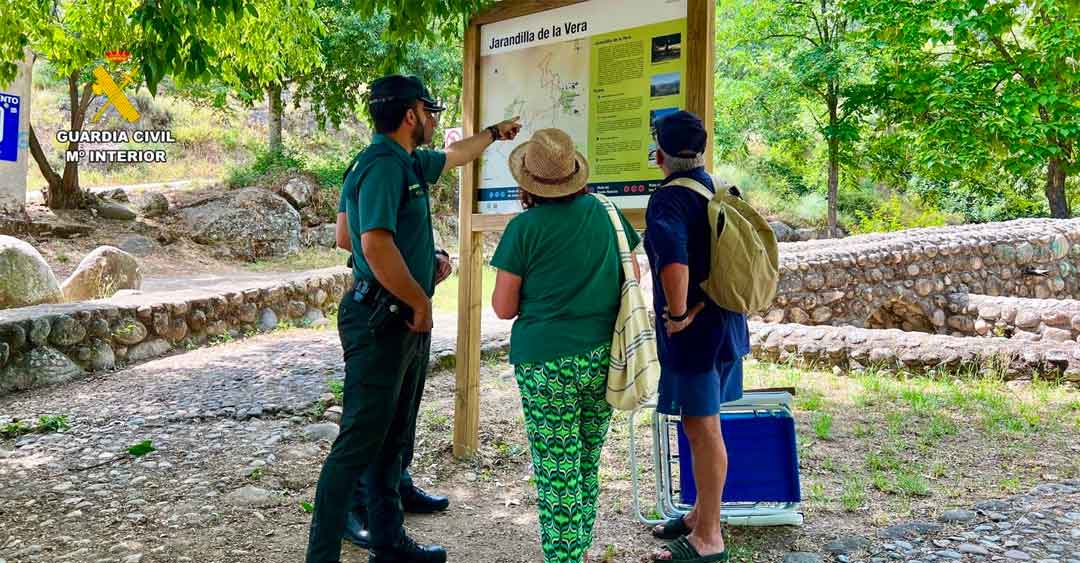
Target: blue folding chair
{"type": "Point", "coordinates": [762, 487]}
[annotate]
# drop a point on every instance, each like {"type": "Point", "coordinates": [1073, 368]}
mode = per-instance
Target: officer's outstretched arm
{"type": "Point", "coordinates": [468, 150]}
{"type": "Point", "coordinates": [389, 267]}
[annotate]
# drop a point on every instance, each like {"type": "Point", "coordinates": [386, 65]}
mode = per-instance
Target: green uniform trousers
{"type": "Point", "coordinates": [566, 418]}
{"type": "Point", "coordinates": [384, 366]}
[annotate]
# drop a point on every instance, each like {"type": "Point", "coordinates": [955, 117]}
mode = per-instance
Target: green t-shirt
{"type": "Point", "coordinates": [387, 188]}
{"type": "Point", "coordinates": [568, 258]}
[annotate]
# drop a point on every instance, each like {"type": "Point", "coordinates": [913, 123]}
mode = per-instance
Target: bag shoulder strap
{"type": "Point", "coordinates": [620, 235]}
{"type": "Point", "coordinates": [692, 185]}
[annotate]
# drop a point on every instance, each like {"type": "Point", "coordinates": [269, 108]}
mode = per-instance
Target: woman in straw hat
{"type": "Point", "coordinates": [559, 274]}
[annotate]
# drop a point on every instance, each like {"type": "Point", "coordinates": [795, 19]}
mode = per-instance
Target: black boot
{"type": "Point", "coordinates": [408, 551]}
{"type": "Point", "coordinates": [420, 502]}
{"type": "Point", "coordinates": [356, 531]}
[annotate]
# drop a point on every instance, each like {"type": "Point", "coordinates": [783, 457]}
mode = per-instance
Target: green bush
{"type": "Point", "coordinates": [267, 166]}
{"type": "Point", "coordinates": [899, 213]}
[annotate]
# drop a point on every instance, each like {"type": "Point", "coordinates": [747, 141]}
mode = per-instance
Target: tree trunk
{"type": "Point", "coordinates": [274, 99]}
{"type": "Point", "coordinates": [64, 192]}
{"type": "Point", "coordinates": [834, 161]}
{"type": "Point", "coordinates": [1055, 189]}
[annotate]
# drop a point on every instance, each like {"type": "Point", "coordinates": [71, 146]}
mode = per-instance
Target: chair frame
{"type": "Point", "coordinates": [733, 513]}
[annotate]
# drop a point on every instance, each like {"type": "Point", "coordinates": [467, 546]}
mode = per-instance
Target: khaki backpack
{"type": "Point", "coordinates": [744, 264]}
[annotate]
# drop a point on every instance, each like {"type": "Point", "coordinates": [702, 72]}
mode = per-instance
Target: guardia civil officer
{"type": "Point", "coordinates": [385, 321]}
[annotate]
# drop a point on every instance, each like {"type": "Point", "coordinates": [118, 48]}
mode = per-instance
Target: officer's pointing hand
{"type": "Point", "coordinates": [509, 129]}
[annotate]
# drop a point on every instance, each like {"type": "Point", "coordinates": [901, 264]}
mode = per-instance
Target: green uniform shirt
{"type": "Point", "coordinates": [387, 188]}
{"type": "Point", "coordinates": [568, 258]}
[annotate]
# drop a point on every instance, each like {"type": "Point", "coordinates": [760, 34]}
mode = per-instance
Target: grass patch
{"type": "Point", "coordinates": [853, 494]}
{"type": "Point", "coordinates": [905, 442]}
{"type": "Point", "coordinates": [822, 422]}
{"type": "Point", "coordinates": [302, 260]}
{"type": "Point", "coordinates": [446, 294]}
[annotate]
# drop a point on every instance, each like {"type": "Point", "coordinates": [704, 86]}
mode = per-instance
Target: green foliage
{"type": "Point", "coordinates": [45, 424]}
{"type": "Point", "coordinates": [822, 423]}
{"type": "Point", "coordinates": [53, 423]}
{"type": "Point", "coordinates": [142, 448]}
{"type": "Point", "coordinates": [307, 507]}
{"type": "Point", "coordinates": [338, 390]}
{"type": "Point", "coordinates": [334, 95]}
{"type": "Point", "coordinates": [267, 166]}
{"type": "Point", "coordinates": [896, 214]}
{"type": "Point", "coordinates": [977, 86]}
{"type": "Point", "coordinates": [15, 429]}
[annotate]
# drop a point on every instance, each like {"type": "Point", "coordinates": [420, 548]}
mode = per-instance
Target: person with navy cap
{"type": "Point", "coordinates": [385, 321]}
{"type": "Point", "coordinates": [700, 344]}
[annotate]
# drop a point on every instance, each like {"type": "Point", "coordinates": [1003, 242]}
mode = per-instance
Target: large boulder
{"type": "Point", "coordinates": [25, 278]}
{"type": "Point", "coordinates": [101, 274]}
{"type": "Point", "coordinates": [253, 222]}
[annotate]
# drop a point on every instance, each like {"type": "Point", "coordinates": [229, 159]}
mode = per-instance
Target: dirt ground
{"type": "Point", "coordinates": [889, 454]}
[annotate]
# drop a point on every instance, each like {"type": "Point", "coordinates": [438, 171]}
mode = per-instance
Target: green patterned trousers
{"type": "Point", "coordinates": [566, 418]}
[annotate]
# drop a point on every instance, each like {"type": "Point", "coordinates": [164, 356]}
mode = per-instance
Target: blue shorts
{"type": "Point", "coordinates": [700, 394]}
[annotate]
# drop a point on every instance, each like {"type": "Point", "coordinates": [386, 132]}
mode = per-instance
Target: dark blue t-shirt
{"type": "Point", "coordinates": [677, 232]}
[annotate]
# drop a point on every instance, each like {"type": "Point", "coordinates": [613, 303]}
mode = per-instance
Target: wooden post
{"type": "Point", "coordinates": [700, 66]}
{"type": "Point", "coordinates": [700, 45]}
{"type": "Point", "coordinates": [470, 268]}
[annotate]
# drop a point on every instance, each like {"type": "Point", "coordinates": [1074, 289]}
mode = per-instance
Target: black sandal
{"type": "Point", "coordinates": [682, 551]}
{"type": "Point", "coordinates": [673, 529]}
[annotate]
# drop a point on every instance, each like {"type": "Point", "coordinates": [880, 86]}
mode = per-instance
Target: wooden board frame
{"type": "Point", "coordinates": [700, 62]}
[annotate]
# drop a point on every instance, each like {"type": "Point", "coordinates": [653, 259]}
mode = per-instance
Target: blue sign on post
{"type": "Point", "coordinates": [9, 127]}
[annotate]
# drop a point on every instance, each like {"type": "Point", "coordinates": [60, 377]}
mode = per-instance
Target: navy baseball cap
{"type": "Point", "coordinates": [681, 134]}
{"type": "Point", "coordinates": [407, 88]}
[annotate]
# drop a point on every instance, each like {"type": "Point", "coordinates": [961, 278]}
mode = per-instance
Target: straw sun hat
{"type": "Point", "coordinates": [548, 166]}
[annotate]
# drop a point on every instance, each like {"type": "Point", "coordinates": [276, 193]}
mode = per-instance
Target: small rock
{"type": "Point", "coordinates": [111, 210]}
{"type": "Point", "coordinates": [154, 204]}
{"type": "Point", "coordinates": [303, 451]}
{"type": "Point", "coordinates": [252, 496]}
{"type": "Point", "coordinates": [958, 516]}
{"type": "Point", "coordinates": [333, 414]}
{"type": "Point", "coordinates": [847, 544]}
{"type": "Point", "coordinates": [1017, 555]}
{"type": "Point", "coordinates": [942, 543]}
{"type": "Point", "coordinates": [324, 431]}
{"type": "Point", "coordinates": [802, 557]}
{"type": "Point", "coordinates": [949, 554]}
{"type": "Point", "coordinates": [910, 530]}
{"type": "Point", "coordinates": [973, 549]}
{"type": "Point", "coordinates": [133, 558]}
{"type": "Point", "coordinates": [996, 516]}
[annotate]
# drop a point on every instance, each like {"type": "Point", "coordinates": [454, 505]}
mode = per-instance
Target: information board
{"type": "Point", "coordinates": [9, 127]}
{"type": "Point", "coordinates": [601, 70]}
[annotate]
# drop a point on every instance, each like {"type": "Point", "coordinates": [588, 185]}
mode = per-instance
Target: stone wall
{"type": "Point", "coordinates": [851, 348]}
{"type": "Point", "coordinates": [903, 280]}
{"type": "Point", "coordinates": [1017, 318]}
{"type": "Point", "coordinates": [50, 344]}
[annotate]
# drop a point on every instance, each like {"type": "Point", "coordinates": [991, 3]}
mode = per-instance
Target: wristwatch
{"type": "Point", "coordinates": [495, 135]}
{"type": "Point", "coordinates": [679, 318]}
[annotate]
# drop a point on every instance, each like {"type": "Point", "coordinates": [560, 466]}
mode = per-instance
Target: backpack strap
{"type": "Point", "coordinates": [620, 235]}
{"type": "Point", "coordinates": [692, 185]}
